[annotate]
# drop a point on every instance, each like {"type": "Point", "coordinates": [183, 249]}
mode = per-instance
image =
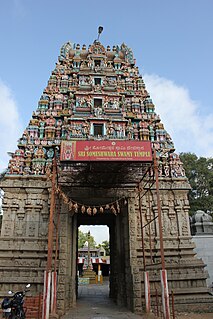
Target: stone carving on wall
{"type": "Point", "coordinates": [7, 230]}
{"type": "Point", "coordinates": [20, 228]}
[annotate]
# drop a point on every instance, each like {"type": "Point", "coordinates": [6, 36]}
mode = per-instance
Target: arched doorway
{"type": "Point", "coordinates": [118, 249]}
{"type": "Point", "coordinates": [100, 194]}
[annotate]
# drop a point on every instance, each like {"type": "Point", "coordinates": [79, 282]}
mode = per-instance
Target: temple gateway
{"type": "Point", "coordinates": [96, 153]}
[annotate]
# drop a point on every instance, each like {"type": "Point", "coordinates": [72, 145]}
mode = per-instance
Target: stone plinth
{"type": "Point", "coordinates": [204, 244]}
{"type": "Point", "coordinates": [88, 273]}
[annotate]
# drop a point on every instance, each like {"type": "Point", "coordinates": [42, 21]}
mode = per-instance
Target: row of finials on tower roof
{"type": "Point", "coordinates": [93, 93]}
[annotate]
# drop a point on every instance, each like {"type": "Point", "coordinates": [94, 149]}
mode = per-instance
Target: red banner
{"type": "Point", "coordinates": [106, 151]}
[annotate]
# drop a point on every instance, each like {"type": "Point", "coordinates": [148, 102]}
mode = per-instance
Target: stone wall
{"type": "Point", "coordinates": [203, 248]}
{"type": "Point", "coordinates": [23, 240]}
{"type": "Point", "coordinates": [23, 249]}
{"type": "Point", "coordinates": [66, 290]}
{"type": "Point", "coordinates": [202, 231]}
{"type": "Point", "coordinates": [186, 273]}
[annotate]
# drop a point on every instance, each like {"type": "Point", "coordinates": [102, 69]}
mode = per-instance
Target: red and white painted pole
{"type": "Point", "coordinates": [165, 294]}
{"type": "Point", "coordinates": [147, 291]}
{"type": "Point", "coordinates": [46, 295]}
{"type": "Point", "coordinates": [53, 292]}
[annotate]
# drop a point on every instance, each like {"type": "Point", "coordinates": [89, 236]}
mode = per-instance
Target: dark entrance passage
{"type": "Point", "coordinates": [102, 194]}
{"type": "Point", "coordinates": [118, 251]}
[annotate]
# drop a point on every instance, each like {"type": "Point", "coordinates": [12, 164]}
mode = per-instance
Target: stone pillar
{"type": "Point", "coordinates": [67, 261]}
{"type": "Point", "coordinates": [64, 261]}
{"type": "Point", "coordinates": [133, 275]}
{"type": "Point", "coordinates": [119, 261]}
{"type": "Point", "coordinates": [73, 244]}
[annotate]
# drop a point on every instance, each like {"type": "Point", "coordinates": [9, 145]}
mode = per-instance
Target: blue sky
{"type": "Point", "coordinates": [171, 41]}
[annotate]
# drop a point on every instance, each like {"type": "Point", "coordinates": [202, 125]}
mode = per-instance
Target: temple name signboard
{"type": "Point", "coordinates": [106, 151]}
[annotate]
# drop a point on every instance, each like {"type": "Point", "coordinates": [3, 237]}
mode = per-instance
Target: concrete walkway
{"type": "Point", "coordinates": [93, 303]}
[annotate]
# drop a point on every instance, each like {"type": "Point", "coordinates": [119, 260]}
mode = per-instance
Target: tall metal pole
{"type": "Point", "coordinates": [47, 275]}
{"type": "Point", "coordinates": [164, 283]}
{"type": "Point", "coordinates": [51, 223]}
{"type": "Point", "coordinates": [159, 211]}
{"type": "Point", "coordinates": [89, 256]}
{"type": "Point", "coordinates": [142, 231]}
{"type": "Point", "coordinates": [150, 239]}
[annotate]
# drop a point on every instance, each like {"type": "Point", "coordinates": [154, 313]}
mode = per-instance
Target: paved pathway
{"type": "Point", "coordinates": [93, 303]}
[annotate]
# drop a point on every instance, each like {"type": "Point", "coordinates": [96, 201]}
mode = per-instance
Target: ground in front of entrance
{"type": "Point", "coordinates": [194, 316]}
{"type": "Point", "coordinates": [93, 303]}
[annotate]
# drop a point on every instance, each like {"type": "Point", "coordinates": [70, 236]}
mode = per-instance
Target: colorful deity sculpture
{"type": "Point", "coordinates": [50, 128]}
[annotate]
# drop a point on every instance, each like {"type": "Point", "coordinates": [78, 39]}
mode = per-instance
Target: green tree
{"type": "Point", "coordinates": [83, 237]}
{"type": "Point", "coordinates": [105, 245]}
{"type": "Point", "coordinates": [199, 171]}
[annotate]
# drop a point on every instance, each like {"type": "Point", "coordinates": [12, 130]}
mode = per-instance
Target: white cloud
{"type": "Point", "coordinates": [190, 131]}
{"type": "Point", "coordinates": [10, 124]}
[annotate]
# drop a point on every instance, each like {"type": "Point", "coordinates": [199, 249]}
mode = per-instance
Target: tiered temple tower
{"type": "Point", "coordinates": [97, 94]}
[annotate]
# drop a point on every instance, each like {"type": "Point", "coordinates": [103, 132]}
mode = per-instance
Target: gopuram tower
{"type": "Point", "coordinates": [95, 152]}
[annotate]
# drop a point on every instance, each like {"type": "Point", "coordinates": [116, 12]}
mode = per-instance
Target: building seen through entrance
{"type": "Point", "coordinates": [100, 259]}
{"type": "Point", "coordinates": [96, 153]}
